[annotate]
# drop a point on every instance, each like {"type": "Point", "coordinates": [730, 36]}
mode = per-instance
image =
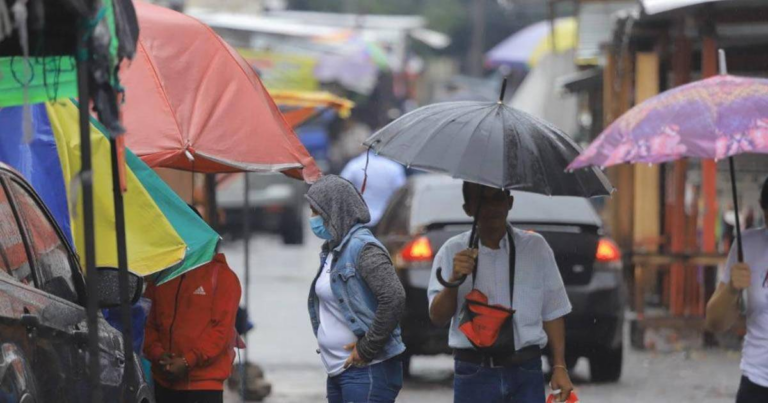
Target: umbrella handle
{"type": "Point", "coordinates": [449, 284]}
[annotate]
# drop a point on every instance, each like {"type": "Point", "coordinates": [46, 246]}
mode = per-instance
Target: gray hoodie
{"type": "Point", "coordinates": [342, 207]}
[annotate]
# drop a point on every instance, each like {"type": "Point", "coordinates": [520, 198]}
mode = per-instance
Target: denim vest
{"type": "Point", "coordinates": [357, 301]}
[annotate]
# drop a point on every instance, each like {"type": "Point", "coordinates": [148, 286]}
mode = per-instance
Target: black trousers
{"type": "Point", "coordinates": [165, 395]}
{"type": "Point", "coordinates": [749, 392]}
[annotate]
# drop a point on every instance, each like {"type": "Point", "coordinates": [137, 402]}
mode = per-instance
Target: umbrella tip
{"type": "Point", "coordinates": [503, 90]}
{"type": "Point", "coordinates": [721, 59]}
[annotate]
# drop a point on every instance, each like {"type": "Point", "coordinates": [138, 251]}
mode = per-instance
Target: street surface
{"type": "Point", "coordinates": [283, 344]}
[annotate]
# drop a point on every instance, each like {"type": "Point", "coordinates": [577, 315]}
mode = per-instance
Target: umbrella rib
{"type": "Point", "coordinates": [252, 167]}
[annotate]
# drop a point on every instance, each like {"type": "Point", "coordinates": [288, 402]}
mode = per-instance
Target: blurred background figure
{"type": "Point", "coordinates": [385, 177]}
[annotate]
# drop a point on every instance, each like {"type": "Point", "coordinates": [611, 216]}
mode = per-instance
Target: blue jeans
{"type": "Point", "coordinates": [523, 383]}
{"type": "Point", "coordinates": [379, 383]}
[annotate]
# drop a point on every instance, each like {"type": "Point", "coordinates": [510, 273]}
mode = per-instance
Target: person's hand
{"type": "Point", "coordinates": [562, 382]}
{"type": "Point", "coordinates": [164, 357]}
{"type": "Point", "coordinates": [741, 276]}
{"type": "Point", "coordinates": [174, 367]}
{"type": "Point", "coordinates": [463, 264]}
{"type": "Point", "coordinates": [354, 358]}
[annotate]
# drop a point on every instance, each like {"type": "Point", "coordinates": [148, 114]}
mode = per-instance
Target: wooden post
{"type": "Point", "coordinates": [617, 101]}
{"type": "Point", "coordinates": [647, 209]}
{"type": "Point", "coordinates": [682, 74]}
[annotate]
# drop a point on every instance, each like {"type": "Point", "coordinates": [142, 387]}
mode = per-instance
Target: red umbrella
{"type": "Point", "coordinates": [192, 103]}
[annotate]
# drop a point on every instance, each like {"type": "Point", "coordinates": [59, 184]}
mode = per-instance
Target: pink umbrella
{"type": "Point", "coordinates": [715, 118]}
{"type": "Point", "coordinates": [192, 103]}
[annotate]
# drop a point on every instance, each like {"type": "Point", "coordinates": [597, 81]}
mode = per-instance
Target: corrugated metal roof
{"type": "Point", "coordinates": [596, 28]}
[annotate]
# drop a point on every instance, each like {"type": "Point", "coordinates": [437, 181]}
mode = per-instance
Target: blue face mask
{"type": "Point", "coordinates": [318, 227]}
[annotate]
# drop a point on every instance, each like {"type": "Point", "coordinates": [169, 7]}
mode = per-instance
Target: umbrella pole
{"type": "Point", "coordinates": [473, 243]}
{"type": "Point", "coordinates": [122, 263]}
{"type": "Point", "coordinates": [94, 367]}
{"type": "Point", "coordinates": [247, 253]}
{"type": "Point", "coordinates": [503, 90]}
{"type": "Point", "coordinates": [736, 209]}
{"type": "Point", "coordinates": [731, 166]}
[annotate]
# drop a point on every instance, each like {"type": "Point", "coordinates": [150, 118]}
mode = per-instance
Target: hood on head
{"type": "Point", "coordinates": [340, 204]}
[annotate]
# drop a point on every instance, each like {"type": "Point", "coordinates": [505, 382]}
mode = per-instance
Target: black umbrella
{"type": "Point", "coordinates": [491, 144]}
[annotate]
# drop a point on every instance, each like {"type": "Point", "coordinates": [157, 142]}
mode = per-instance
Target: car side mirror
{"type": "Point", "coordinates": [109, 287]}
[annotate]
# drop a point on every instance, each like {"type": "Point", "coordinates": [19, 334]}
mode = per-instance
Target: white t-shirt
{"type": "Point", "coordinates": [539, 291]}
{"type": "Point", "coordinates": [754, 356]}
{"type": "Point", "coordinates": [333, 333]}
{"type": "Point", "coordinates": [385, 177]}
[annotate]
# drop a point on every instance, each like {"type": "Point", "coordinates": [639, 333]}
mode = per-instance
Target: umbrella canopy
{"type": "Point", "coordinates": [351, 43]}
{"type": "Point", "coordinates": [491, 144]}
{"type": "Point", "coordinates": [714, 118]}
{"type": "Point", "coordinates": [193, 103]}
{"type": "Point", "coordinates": [525, 47]}
{"type": "Point", "coordinates": [162, 232]}
{"type": "Point", "coordinates": [300, 106]}
{"type": "Point", "coordinates": [351, 61]}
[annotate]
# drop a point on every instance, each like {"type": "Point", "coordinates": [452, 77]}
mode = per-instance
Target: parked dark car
{"type": "Point", "coordinates": [43, 327]}
{"type": "Point", "coordinates": [426, 212]}
{"type": "Point", "coordinates": [277, 206]}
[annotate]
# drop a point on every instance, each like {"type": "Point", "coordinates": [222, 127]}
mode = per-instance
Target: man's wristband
{"type": "Point", "coordinates": [561, 367]}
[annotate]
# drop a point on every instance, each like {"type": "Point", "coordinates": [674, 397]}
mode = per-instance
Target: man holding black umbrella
{"type": "Point", "coordinates": [512, 308]}
{"type": "Point", "coordinates": [723, 307]}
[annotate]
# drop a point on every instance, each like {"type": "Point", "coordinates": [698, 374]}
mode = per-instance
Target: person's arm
{"type": "Point", "coordinates": [723, 307]}
{"type": "Point", "coordinates": [554, 307]}
{"type": "Point", "coordinates": [555, 330]}
{"type": "Point", "coordinates": [219, 334]}
{"type": "Point", "coordinates": [444, 303]}
{"type": "Point", "coordinates": [443, 307]}
{"type": "Point", "coordinates": [378, 272]}
{"type": "Point", "coordinates": [153, 349]}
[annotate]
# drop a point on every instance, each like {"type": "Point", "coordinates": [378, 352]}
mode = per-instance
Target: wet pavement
{"type": "Point", "coordinates": [283, 344]}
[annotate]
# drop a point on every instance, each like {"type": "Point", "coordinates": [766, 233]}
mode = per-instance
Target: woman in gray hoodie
{"type": "Point", "coordinates": [356, 299]}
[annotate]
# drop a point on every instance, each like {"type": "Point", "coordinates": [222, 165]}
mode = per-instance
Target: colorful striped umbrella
{"type": "Point", "coordinates": [163, 234]}
{"type": "Point", "coordinates": [526, 47]}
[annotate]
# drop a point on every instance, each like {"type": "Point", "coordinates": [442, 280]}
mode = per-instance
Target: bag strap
{"type": "Point", "coordinates": [512, 263]}
{"type": "Point", "coordinates": [512, 266]}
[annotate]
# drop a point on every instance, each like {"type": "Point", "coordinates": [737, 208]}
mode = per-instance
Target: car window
{"type": "Point", "coordinates": [395, 218]}
{"type": "Point", "coordinates": [13, 255]}
{"type": "Point", "coordinates": [48, 249]}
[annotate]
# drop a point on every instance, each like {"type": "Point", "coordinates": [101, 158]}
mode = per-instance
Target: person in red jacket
{"type": "Point", "coordinates": [190, 333]}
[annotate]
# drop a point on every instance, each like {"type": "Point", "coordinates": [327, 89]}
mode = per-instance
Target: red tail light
{"type": "Point", "coordinates": [607, 251]}
{"type": "Point", "coordinates": [418, 250]}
